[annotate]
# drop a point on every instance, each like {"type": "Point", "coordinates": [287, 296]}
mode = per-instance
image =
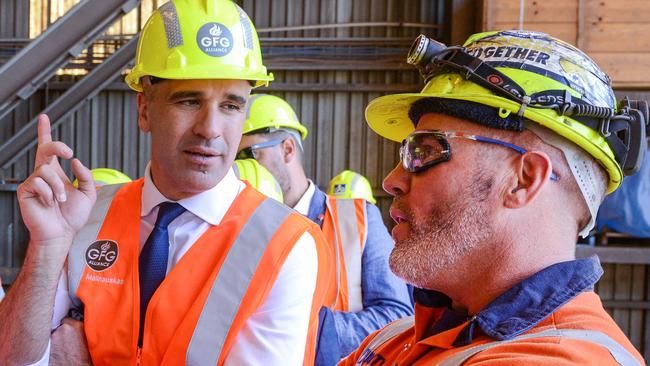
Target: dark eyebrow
{"type": "Point", "coordinates": [236, 98]}
{"type": "Point", "coordinates": [197, 94]}
{"type": "Point", "coordinates": [185, 94]}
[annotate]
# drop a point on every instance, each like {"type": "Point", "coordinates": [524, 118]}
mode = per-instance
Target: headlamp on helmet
{"type": "Point", "coordinates": [624, 127]}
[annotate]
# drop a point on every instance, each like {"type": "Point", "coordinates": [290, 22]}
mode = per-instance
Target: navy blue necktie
{"type": "Point", "coordinates": [153, 257]}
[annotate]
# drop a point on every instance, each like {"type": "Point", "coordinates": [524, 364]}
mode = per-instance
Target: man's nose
{"type": "Point", "coordinates": [209, 124]}
{"type": "Point", "coordinates": [396, 182]}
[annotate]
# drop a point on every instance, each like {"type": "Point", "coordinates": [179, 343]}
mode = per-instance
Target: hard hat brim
{"type": "Point", "coordinates": [221, 73]}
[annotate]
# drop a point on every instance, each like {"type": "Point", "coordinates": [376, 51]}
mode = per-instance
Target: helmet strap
{"type": "Point", "coordinates": [624, 131]}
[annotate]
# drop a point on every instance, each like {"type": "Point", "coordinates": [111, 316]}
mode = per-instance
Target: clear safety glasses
{"type": "Point", "coordinates": [423, 149]}
{"type": "Point", "coordinates": [249, 152]}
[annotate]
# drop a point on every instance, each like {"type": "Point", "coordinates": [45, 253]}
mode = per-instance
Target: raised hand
{"type": "Point", "coordinates": [51, 207]}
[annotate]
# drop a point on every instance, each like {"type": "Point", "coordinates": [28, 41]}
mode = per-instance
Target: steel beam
{"type": "Point", "coordinates": [82, 91]}
{"type": "Point", "coordinates": [24, 73]}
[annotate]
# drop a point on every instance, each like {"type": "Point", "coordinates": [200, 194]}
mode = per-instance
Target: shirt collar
{"type": "Point", "coordinates": [303, 203]}
{"type": "Point", "coordinates": [210, 205]}
{"type": "Point", "coordinates": [521, 307]}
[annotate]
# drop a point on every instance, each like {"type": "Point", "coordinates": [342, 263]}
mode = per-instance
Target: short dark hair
{"type": "Point", "coordinates": [155, 79]}
{"type": "Point", "coordinates": [471, 111]}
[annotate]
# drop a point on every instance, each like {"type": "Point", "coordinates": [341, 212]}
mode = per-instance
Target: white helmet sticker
{"type": "Point", "coordinates": [214, 39]}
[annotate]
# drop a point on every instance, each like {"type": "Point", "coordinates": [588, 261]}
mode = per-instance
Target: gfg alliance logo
{"type": "Point", "coordinates": [101, 255]}
{"type": "Point", "coordinates": [214, 39]}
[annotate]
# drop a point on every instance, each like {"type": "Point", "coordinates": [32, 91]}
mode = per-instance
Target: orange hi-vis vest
{"type": "Point", "coordinates": [204, 301]}
{"type": "Point", "coordinates": [345, 226]}
{"type": "Point", "coordinates": [580, 332]}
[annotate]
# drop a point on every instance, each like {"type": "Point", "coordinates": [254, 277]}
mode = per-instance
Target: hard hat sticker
{"type": "Point", "coordinates": [214, 39]}
{"type": "Point", "coordinates": [556, 59]}
{"type": "Point", "coordinates": [101, 255]}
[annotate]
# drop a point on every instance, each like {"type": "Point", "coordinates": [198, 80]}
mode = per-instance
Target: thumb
{"type": "Point", "coordinates": [84, 177]}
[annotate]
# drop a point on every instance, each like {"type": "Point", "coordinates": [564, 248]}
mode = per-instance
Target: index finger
{"type": "Point", "coordinates": [44, 130]}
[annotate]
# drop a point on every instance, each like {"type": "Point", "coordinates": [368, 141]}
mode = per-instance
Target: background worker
{"type": "Point", "coordinates": [188, 265]}
{"type": "Point", "coordinates": [367, 295]}
{"type": "Point", "coordinates": [259, 177]}
{"type": "Point", "coordinates": [498, 176]}
{"type": "Point", "coordinates": [349, 184]}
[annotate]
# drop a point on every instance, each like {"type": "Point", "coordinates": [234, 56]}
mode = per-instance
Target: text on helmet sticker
{"type": "Point", "coordinates": [214, 39]}
{"type": "Point", "coordinates": [544, 55]}
{"type": "Point", "coordinates": [520, 53]}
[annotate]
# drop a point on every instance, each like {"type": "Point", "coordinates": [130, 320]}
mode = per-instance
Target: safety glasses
{"type": "Point", "coordinates": [249, 152]}
{"type": "Point", "coordinates": [423, 149]}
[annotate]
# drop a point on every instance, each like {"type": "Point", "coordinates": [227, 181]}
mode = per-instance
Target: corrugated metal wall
{"type": "Point", "coordinates": [14, 15]}
{"type": "Point", "coordinates": [329, 77]}
{"type": "Point", "coordinates": [14, 19]}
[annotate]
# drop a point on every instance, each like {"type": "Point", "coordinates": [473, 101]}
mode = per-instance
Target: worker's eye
{"type": "Point", "coordinates": [232, 107]}
{"type": "Point", "coordinates": [188, 102]}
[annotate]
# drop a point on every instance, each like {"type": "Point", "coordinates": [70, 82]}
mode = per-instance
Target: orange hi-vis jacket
{"type": "Point", "coordinates": [204, 301]}
{"type": "Point", "coordinates": [518, 328]}
{"type": "Point", "coordinates": [345, 226]}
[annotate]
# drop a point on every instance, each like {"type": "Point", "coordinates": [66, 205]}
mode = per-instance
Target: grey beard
{"type": "Point", "coordinates": [439, 241]}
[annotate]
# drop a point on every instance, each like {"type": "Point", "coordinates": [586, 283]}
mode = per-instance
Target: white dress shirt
{"type": "Point", "coordinates": [276, 332]}
{"type": "Point", "coordinates": [302, 206]}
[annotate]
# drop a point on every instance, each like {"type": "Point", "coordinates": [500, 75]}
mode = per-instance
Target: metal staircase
{"type": "Point", "coordinates": [81, 91]}
{"type": "Point", "coordinates": [30, 68]}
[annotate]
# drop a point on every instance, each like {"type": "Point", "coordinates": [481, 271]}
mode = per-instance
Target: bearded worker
{"type": "Point", "coordinates": [506, 154]}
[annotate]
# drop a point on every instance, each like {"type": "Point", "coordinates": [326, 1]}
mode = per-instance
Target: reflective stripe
{"type": "Point", "coordinates": [247, 27]}
{"type": "Point", "coordinates": [232, 283]}
{"type": "Point", "coordinates": [389, 332]}
{"type": "Point", "coordinates": [353, 184]}
{"type": "Point", "coordinates": [352, 250]}
{"type": "Point", "coordinates": [620, 354]}
{"type": "Point", "coordinates": [336, 251]}
{"type": "Point", "coordinates": [172, 25]}
{"type": "Point", "coordinates": [87, 235]}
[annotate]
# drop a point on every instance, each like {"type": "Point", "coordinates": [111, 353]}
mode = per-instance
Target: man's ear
{"type": "Point", "coordinates": [533, 171]}
{"type": "Point", "coordinates": [143, 113]}
{"type": "Point", "coordinates": [289, 150]}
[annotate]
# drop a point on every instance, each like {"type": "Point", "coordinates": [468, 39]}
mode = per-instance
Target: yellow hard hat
{"type": "Point", "coordinates": [259, 177]}
{"type": "Point", "coordinates": [349, 184]}
{"type": "Point", "coordinates": [199, 39]}
{"type": "Point", "coordinates": [523, 74]}
{"type": "Point", "coordinates": [105, 176]}
{"type": "Point", "coordinates": [270, 112]}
